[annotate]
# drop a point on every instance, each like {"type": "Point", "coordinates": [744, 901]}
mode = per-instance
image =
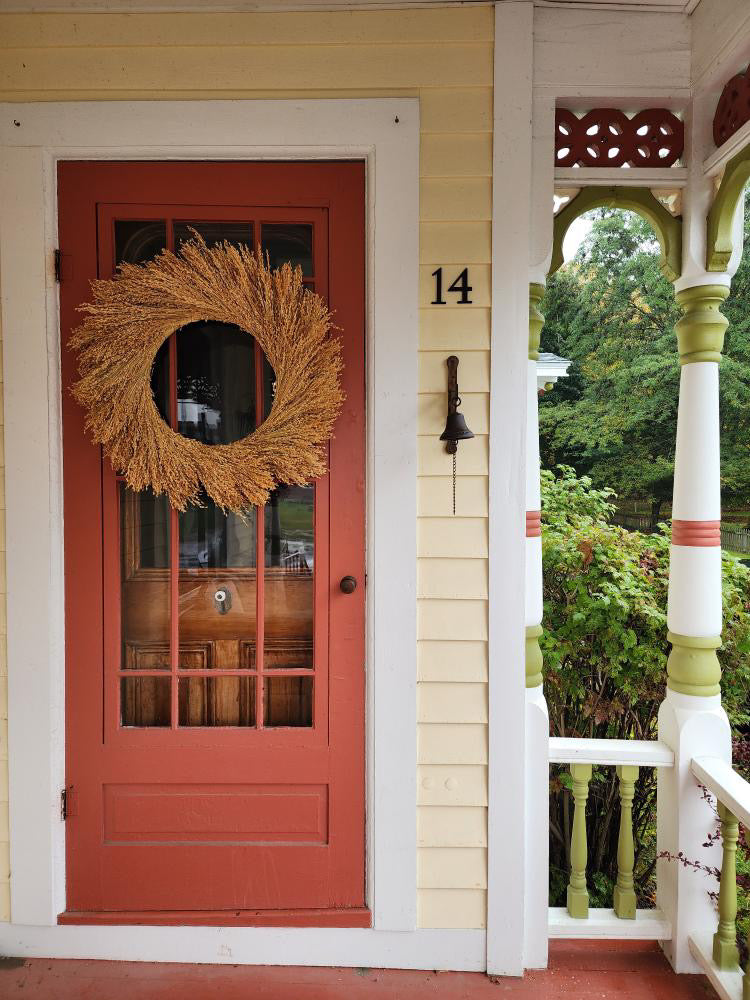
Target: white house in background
{"type": "Point", "coordinates": [549, 368]}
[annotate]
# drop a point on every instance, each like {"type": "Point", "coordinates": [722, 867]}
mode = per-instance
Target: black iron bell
{"type": "Point", "coordinates": [456, 429]}
{"type": "Point", "coordinates": [455, 424]}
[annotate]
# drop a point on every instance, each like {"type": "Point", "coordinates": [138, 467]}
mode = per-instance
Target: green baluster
{"type": "Point", "coordinates": [624, 894]}
{"type": "Point", "coordinates": [726, 954]}
{"type": "Point", "coordinates": [578, 896]}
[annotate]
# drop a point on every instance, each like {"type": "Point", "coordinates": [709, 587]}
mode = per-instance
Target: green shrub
{"type": "Point", "coordinates": [605, 663]}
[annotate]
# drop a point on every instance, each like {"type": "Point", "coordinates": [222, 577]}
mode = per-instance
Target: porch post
{"type": "Point", "coordinates": [537, 719]}
{"type": "Point", "coordinates": [691, 719]}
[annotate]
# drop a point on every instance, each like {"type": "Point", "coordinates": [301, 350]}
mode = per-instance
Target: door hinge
{"type": "Point", "coordinates": [63, 266]}
{"type": "Point", "coordinates": [64, 804]}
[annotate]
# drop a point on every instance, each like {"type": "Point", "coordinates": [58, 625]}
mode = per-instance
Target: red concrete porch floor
{"type": "Point", "coordinates": [578, 971]}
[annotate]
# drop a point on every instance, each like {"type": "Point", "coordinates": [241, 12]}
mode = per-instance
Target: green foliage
{"type": "Point", "coordinates": [605, 657]}
{"type": "Point", "coordinates": [615, 417]}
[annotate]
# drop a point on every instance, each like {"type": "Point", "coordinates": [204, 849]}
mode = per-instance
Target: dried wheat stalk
{"type": "Point", "coordinates": [134, 313]}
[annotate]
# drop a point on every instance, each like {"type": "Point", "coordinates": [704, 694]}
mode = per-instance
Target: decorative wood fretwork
{"type": "Point", "coordinates": [606, 137]}
{"type": "Point", "coordinates": [733, 109]}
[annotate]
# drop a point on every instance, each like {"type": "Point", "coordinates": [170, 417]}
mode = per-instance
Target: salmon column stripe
{"type": "Point", "coordinates": [694, 615]}
{"type": "Point", "coordinates": [533, 500]}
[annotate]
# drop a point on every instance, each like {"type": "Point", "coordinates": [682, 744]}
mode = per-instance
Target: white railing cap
{"type": "Point", "coordinates": [722, 780]}
{"type": "Point", "coordinates": [642, 753]}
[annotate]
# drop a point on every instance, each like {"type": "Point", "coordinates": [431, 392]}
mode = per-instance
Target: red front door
{"type": "Point", "coordinates": [215, 667]}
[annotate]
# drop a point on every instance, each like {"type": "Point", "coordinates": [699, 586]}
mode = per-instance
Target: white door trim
{"type": "Point", "coordinates": [33, 137]}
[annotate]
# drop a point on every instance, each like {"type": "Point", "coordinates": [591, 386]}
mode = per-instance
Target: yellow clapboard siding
{"type": "Point", "coordinates": [433, 460]}
{"type": "Point", "coordinates": [444, 328]}
{"type": "Point", "coordinates": [461, 243]}
{"type": "Point", "coordinates": [446, 908]}
{"type": "Point", "coordinates": [435, 496]}
{"type": "Point", "coordinates": [451, 620]}
{"type": "Point", "coordinates": [465, 110]}
{"type": "Point", "coordinates": [451, 702]}
{"type": "Point", "coordinates": [5, 901]}
{"type": "Point", "coordinates": [446, 198]}
{"type": "Point", "coordinates": [452, 743]}
{"type": "Point", "coordinates": [473, 371]}
{"type": "Point", "coordinates": [432, 409]}
{"type": "Point", "coordinates": [249, 66]}
{"type": "Point", "coordinates": [446, 537]}
{"type": "Point", "coordinates": [443, 56]}
{"type": "Point", "coordinates": [452, 579]}
{"type": "Point", "coordinates": [452, 661]}
{"type": "Point", "coordinates": [479, 280]}
{"type": "Point", "coordinates": [452, 785]}
{"type": "Point", "coordinates": [439, 25]}
{"type": "Point", "coordinates": [456, 155]}
{"type": "Point", "coordinates": [440, 827]}
{"type": "Point", "coordinates": [452, 868]}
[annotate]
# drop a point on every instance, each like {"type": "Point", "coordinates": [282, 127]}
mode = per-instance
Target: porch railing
{"type": "Point", "coordinates": [718, 955]}
{"type": "Point", "coordinates": [623, 919]}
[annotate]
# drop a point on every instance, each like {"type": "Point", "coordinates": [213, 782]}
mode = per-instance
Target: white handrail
{"type": "Point", "coordinates": [642, 753]}
{"type": "Point", "coordinates": [729, 787]}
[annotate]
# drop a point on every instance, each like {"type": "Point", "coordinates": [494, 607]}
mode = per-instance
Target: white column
{"type": "Point", "coordinates": [537, 719]}
{"type": "Point", "coordinates": [691, 719]}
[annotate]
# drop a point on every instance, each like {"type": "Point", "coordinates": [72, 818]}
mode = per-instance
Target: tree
{"type": "Point", "coordinates": [615, 418]}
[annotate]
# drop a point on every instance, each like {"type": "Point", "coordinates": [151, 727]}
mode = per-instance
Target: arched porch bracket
{"type": "Point", "coordinates": [668, 228]}
{"type": "Point", "coordinates": [719, 245]}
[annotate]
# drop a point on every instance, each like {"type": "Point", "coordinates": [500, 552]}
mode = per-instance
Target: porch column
{"type": "Point", "coordinates": [691, 719]}
{"type": "Point", "coordinates": [694, 602]}
{"type": "Point", "coordinates": [537, 719]}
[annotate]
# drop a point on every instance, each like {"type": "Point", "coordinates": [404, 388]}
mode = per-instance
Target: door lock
{"type": "Point", "coordinates": [223, 600]}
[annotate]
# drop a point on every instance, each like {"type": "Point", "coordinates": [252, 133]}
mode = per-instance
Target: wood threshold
{"type": "Point", "coordinates": [349, 917]}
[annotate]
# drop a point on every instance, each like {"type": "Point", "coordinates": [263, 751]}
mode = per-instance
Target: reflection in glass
{"type": "Point", "coordinates": [287, 701]}
{"type": "Point", "coordinates": [160, 380]}
{"type": "Point", "coordinates": [144, 547]}
{"type": "Point", "coordinates": [145, 701]}
{"type": "Point", "coordinates": [287, 242]}
{"type": "Point", "coordinates": [238, 233]}
{"type": "Point", "coordinates": [215, 382]}
{"type": "Point", "coordinates": [137, 241]}
{"type": "Point", "coordinates": [217, 701]}
{"type": "Point", "coordinates": [289, 558]}
{"type": "Point", "coordinates": [209, 538]}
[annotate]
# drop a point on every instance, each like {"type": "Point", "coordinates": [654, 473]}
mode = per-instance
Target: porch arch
{"type": "Point", "coordinates": [668, 228]}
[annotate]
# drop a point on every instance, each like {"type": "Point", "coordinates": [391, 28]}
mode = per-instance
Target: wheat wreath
{"type": "Point", "coordinates": [135, 312]}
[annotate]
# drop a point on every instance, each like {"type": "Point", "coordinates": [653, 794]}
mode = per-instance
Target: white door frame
{"type": "Point", "coordinates": [33, 138]}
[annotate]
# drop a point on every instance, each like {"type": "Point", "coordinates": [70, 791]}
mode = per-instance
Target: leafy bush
{"type": "Point", "coordinates": [605, 663]}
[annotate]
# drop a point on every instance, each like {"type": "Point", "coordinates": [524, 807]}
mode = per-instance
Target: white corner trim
{"type": "Point", "coordinates": [506, 898]}
{"type": "Point", "coordinates": [33, 137]}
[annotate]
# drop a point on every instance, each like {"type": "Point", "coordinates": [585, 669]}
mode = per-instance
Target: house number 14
{"type": "Point", "coordinates": [459, 286]}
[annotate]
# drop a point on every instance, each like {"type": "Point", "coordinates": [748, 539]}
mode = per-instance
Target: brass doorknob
{"type": "Point", "coordinates": [348, 584]}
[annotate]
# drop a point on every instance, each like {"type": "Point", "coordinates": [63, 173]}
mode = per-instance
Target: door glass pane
{"type": "Point", "coordinates": [287, 701]}
{"type": "Point", "coordinates": [217, 701]}
{"type": "Point", "coordinates": [144, 547]}
{"type": "Point", "coordinates": [289, 558]}
{"type": "Point", "coordinates": [145, 701]}
{"type": "Point", "coordinates": [137, 241]}
{"type": "Point", "coordinates": [215, 383]}
{"type": "Point", "coordinates": [239, 233]}
{"type": "Point", "coordinates": [289, 242]}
